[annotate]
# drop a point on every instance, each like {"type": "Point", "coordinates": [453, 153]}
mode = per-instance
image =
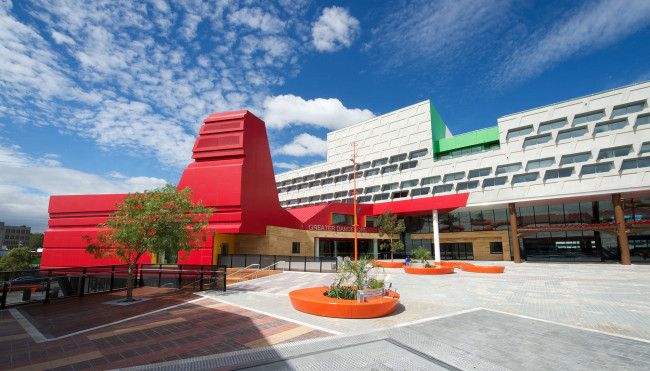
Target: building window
{"type": "Point", "coordinates": [456, 251]}
{"type": "Point", "coordinates": [397, 158]}
{"type": "Point", "coordinates": [547, 126]}
{"type": "Point", "coordinates": [314, 183]}
{"type": "Point", "coordinates": [491, 182]}
{"type": "Point", "coordinates": [610, 126]}
{"type": "Point", "coordinates": [388, 187]}
{"type": "Point", "coordinates": [302, 200]}
{"type": "Point", "coordinates": [420, 191]}
{"type": "Point", "coordinates": [645, 148]}
{"type": "Point", "coordinates": [327, 196]}
{"type": "Point", "coordinates": [320, 175]}
{"type": "Point", "coordinates": [409, 183]}
{"type": "Point", "coordinates": [496, 248]}
{"type": "Point", "coordinates": [585, 118]}
{"type": "Point", "coordinates": [381, 197]}
{"type": "Point", "coordinates": [351, 192]}
{"type": "Point", "coordinates": [327, 181]}
{"type": "Point", "coordinates": [430, 180]}
{"type": "Point", "coordinates": [558, 173]}
{"type": "Point", "coordinates": [380, 162]}
{"type": "Point", "coordinates": [347, 169]}
{"type": "Point", "coordinates": [454, 176]}
{"type": "Point", "coordinates": [340, 178]}
{"type": "Point", "coordinates": [342, 219]}
{"type": "Point", "coordinates": [359, 175]}
{"type": "Point", "coordinates": [303, 186]}
{"type": "Point", "coordinates": [467, 185]}
{"type": "Point", "coordinates": [635, 163]}
{"type": "Point", "coordinates": [295, 247]}
{"type": "Point", "coordinates": [509, 168]}
{"type": "Point", "coordinates": [643, 120]}
{"type": "Point", "coordinates": [314, 198]}
{"type": "Point", "coordinates": [537, 164]}
{"type": "Point", "coordinates": [519, 132]}
{"type": "Point", "coordinates": [538, 139]}
{"type": "Point", "coordinates": [372, 189]}
{"type": "Point", "coordinates": [628, 108]}
{"type": "Point", "coordinates": [400, 194]}
{"type": "Point", "coordinates": [614, 152]}
{"type": "Point", "coordinates": [388, 169]}
{"type": "Point", "coordinates": [418, 153]}
{"type": "Point", "coordinates": [364, 199]}
{"type": "Point", "coordinates": [479, 172]}
{"type": "Point", "coordinates": [571, 133]}
{"type": "Point", "coordinates": [408, 165]}
{"type": "Point", "coordinates": [371, 221]}
{"type": "Point", "coordinates": [443, 188]}
{"type": "Point", "coordinates": [596, 168]}
{"type": "Point", "coordinates": [307, 178]}
{"type": "Point", "coordinates": [340, 194]}
{"type": "Point", "coordinates": [334, 172]}
{"type": "Point", "coordinates": [575, 158]}
{"type": "Point", "coordinates": [524, 178]}
{"type": "Point", "coordinates": [363, 166]}
{"type": "Point", "coordinates": [371, 172]}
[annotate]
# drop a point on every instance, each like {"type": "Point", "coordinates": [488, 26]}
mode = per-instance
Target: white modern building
{"type": "Point", "coordinates": [554, 176]}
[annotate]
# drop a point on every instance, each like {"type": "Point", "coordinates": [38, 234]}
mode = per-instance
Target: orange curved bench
{"type": "Point", "coordinates": [313, 301]}
{"type": "Point", "coordinates": [484, 269]}
{"type": "Point", "coordinates": [432, 270]}
{"type": "Point", "coordinates": [382, 264]}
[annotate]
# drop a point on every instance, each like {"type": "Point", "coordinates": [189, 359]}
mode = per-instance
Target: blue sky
{"type": "Point", "coordinates": [107, 97]}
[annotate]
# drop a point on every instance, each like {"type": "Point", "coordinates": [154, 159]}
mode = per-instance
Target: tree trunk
{"type": "Point", "coordinates": [129, 284]}
{"type": "Point", "coordinates": [391, 251]}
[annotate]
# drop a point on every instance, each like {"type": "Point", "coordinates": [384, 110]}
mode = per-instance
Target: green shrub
{"type": "Point", "coordinates": [421, 254]}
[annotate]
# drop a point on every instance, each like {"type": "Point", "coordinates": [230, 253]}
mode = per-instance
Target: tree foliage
{"type": "Point", "coordinates": [390, 226]}
{"type": "Point", "coordinates": [35, 241]}
{"type": "Point", "coordinates": [162, 221]}
{"type": "Point", "coordinates": [17, 259]}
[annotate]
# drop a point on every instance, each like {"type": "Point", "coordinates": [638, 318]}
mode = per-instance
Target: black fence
{"type": "Point", "coordinates": [21, 287]}
{"type": "Point", "coordinates": [280, 262]}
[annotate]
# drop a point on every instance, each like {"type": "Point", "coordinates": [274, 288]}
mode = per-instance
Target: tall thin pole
{"type": "Point", "coordinates": [354, 200]}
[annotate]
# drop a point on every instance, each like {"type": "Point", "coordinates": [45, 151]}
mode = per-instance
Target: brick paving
{"type": "Point", "coordinates": [199, 328]}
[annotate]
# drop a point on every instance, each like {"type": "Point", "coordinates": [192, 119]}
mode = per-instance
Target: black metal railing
{"type": "Point", "coordinates": [280, 262]}
{"type": "Point", "coordinates": [20, 287]}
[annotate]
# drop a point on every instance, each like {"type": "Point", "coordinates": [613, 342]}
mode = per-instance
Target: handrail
{"type": "Point", "coordinates": [261, 269]}
{"type": "Point", "coordinates": [243, 269]}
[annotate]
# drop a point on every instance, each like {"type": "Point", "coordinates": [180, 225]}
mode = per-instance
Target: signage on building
{"type": "Point", "coordinates": [341, 228]}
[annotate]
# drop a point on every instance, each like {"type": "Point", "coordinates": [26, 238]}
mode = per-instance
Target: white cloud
{"type": "Point", "coordinates": [60, 38]}
{"type": "Point", "coordinates": [27, 183]}
{"type": "Point", "coordinates": [286, 165]}
{"type": "Point", "coordinates": [334, 29]}
{"type": "Point", "coordinates": [593, 26]}
{"type": "Point", "coordinates": [305, 145]}
{"type": "Point", "coordinates": [256, 18]}
{"type": "Point", "coordinates": [283, 110]}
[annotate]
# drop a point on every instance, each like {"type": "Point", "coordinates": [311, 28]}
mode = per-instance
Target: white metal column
{"type": "Point", "coordinates": [375, 248]}
{"type": "Point", "coordinates": [436, 236]}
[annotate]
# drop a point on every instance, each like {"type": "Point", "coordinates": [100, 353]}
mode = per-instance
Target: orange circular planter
{"type": "Point", "coordinates": [459, 265]}
{"type": "Point", "coordinates": [382, 264]}
{"type": "Point", "coordinates": [432, 270]}
{"type": "Point", "coordinates": [485, 269]}
{"type": "Point", "coordinates": [313, 301]}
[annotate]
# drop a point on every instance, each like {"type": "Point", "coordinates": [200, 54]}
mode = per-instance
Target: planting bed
{"type": "Point", "coordinates": [313, 301]}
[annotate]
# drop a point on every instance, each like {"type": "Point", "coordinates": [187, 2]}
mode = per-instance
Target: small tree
{"type": "Point", "coordinates": [390, 226]}
{"type": "Point", "coordinates": [17, 259]}
{"type": "Point", "coordinates": [35, 241]}
{"type": "Point", "coordinates": [164, 220]}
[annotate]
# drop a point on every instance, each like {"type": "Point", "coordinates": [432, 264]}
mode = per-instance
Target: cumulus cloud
{"type": "Point", "coordinates": [286, 165]}
{"type": "Point", "coordinates": [305, 145]}
{"type": "Point", "coordinates": [27, 183]}
{"type": "Point", "coordinates": [335, 29]}
{"type": "Point", "coordinates": [257, 18]}
{"type": "Point", "coordinates": [283, 110]}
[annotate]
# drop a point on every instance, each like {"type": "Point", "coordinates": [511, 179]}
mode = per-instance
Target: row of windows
{"type": "Point", "coordinates": [362, 166]}
{"type": "Point", "coordinates": [585, 118]}
{"type": "Point", "coordinates": [467, 151]}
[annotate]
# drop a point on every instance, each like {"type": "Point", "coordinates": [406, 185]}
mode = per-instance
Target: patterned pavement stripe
{"type": "Point", "coordinates": [280, 337]}
{"type": "Point", "coordinates": [61, 362]}
{"type": "Point", "coordinates": [127, 330]}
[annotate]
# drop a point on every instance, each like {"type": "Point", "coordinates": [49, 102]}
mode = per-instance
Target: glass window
{"type": "Point", "coordinates": [635, 163]}
{"type": "Point", "coordinates": [408, 165]}
{"type": "Point", "coordinates": [496, 248]}
{"type": "Point", "coordinates": [409, 183]}
{"type": "Point", "coordinates": [547, 126]}
{"type": "Point", "coordinates": [509, 168]}
{"type": "Point", "coordinates": [340, 178]}
{"type": "Point", "coordinates": [643, 120]}
{"type": "Point", "coordinates": [380, 162]}
{"type": "Point", "coordinates": [307, 178]}
{"type": "Point", "coordinates": [320, 175]}
{"type": "Point", "coordinates": [295, 247]}
{"type": "Point", "coordinates": [400, 194]}
{"type": "Point", "coordinates": [523, 178]}
{"type": "Point", "coordinates": [585, 118]}
{"type": "Point", "coordinates": [334, 172]}
{"type": "Point", "coordinates": [645, 148]}
{"type": "Point", "coordinates": [614, 152]}
{"type": "Point", "coordinates": [575, 158]}
{"type": "Point", "coordinates": [351, 192]}
{"type": "Point", "coordinates": [537, 164]}
{"type": "Point", "coordinates": [464, 221]}
{"type": "Point", "coordinates": [388, 187]}
{"type": "Point", "coordinates": [371, 172]}
{"type": "Point", "coordinates": [556, 214]}
{"type": "Point", "coordinates": [491, 182]}
{"type": "Point", "coordinates": [327, 181]}
{"type": "Point", "coordinates": [418, 153]}
{"type": "Point", "coordinates": [303, 200]}
{"type": "Point", "coordinates": [347, 169]}
{"type": "Point", "coordinates": [558, 173]}
{"type": "Point", "coordinates": [397, 158]}
{"type": "Point", "coordinates": [610, 126]}
{"type": "Point", "coordinates": [461, 186]}
{"type": "Point", "coordinates": [314, 198]}
{"type": "Point", "coordinates": [363, 166]}
{"type": "Point", "coordinates": [586, 212]}
{"type": "Point", "coordinates": [572, 213]}
{"type": "Point", "coordinates": [388, 169]}
{"type": "Point", "coordinates": [536, 140]}
{"type": "Point", "coordinates": [501, 219]}
{"type": "Point", "coordinates": [479, 172]}
{"type": "Point", "coordinates": [381, 197]}
{"type": "Point", "coordinates": [430, 180]}
{"type": "Point", "coordinates": [628, 108]}
{"type": "Point", "coordinates": [327, 196]}
{"type": "Point", "coordinates": [303, 186]}
{"type": "Point", "coordinates": [314, 183]}
{"type": "Point", "coordinates": [519, 132]}
{"type": "Point", "coordinates": [443, 188]}
{"type": "Point", "coordinates": [420, 191]}
{"type": "Point", "coordinates": [541, 215]}
{"type": "Point", "coordinates": [371, 221]}
{"type": "Point", "coordinates": [526, 216]}
{"type": "Point", "coordinates": [454, 176]}
{"type": "Point", "coordinates": [372, 189]}
{"type": "Point", "coordinates": [606, 211]}
{"type": "Point", "coordinates": [571, 133]}
{"type": "Point", "coordinates": [340, 194]}
{"type": "Point", "coordinates": [342, 219]}
{"type": "Point", "coordinates": [359, 174]}
{"type": "Point", "coordinates": [362, 199]}
{"type": "Point", "coordinates": [596, 168]}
